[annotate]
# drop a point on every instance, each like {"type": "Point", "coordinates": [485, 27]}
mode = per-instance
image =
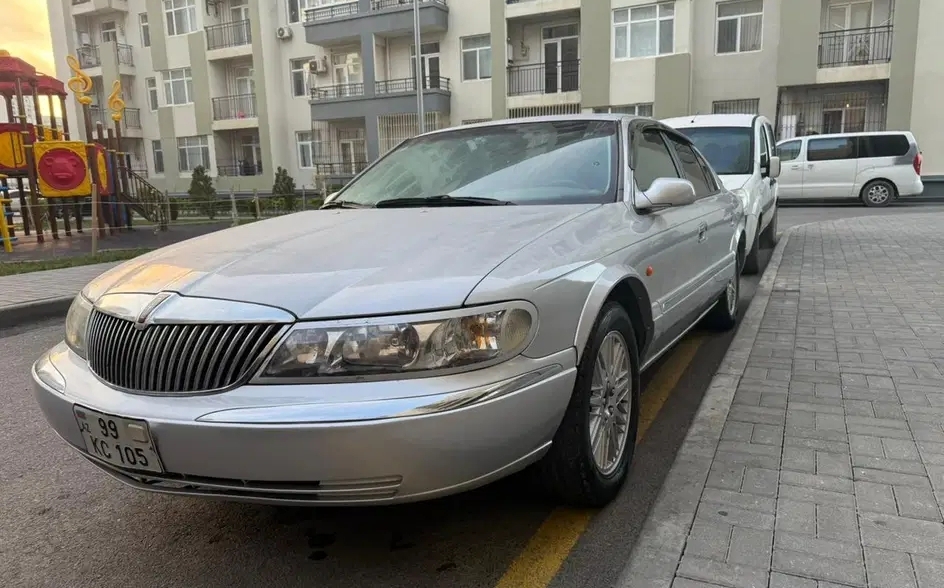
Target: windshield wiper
{"type": "Point", "coordinates": [442, 200]}
{"type": "Point", "coordinates": [342, 204]}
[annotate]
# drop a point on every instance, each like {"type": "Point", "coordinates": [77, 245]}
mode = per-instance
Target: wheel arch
{"type": "Point", "coordinates": [626, 288]}
{"type": "Point", "coordinates": [879, 179]}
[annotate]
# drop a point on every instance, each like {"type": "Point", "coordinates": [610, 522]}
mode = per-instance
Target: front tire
{"type": "Point", "coordinates": [752, 261]}
{"type": "Point", "coordinates": [723, 315]}
{"type": "Point", "coordinates": [878, 193]}
{"type": "Point", "coordinates": [769, 236]}
{"type": "Point", "coordinates": [594, 445]}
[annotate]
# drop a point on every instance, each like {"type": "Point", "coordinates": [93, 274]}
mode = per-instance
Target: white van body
{"type": "Point", "coordinates": [741, 149]}
{"type": "Point", "coordinates": [874, 167]}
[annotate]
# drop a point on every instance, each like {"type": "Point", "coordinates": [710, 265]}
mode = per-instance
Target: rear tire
{"type": "Point", "coordinates": [752, 261]}
{"type": "Point", "coordinates": [878, 193]}
{"type": "Point", "coordinates": [723, 315]}
{"type": "Point", "coordinates": [769, 237]}
{"type": "Point", "coordinates": [570, 471]}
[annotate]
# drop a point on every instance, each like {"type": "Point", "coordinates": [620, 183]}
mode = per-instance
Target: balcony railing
{"type": "Point", "coordinates": [234, 107]}
{"type": "Point", "coordinates": [550, 77]}
{"type": "Point", "coordinates": [385, 4]}
{"type": "Point", "coordinates": [855, 47]}
{"type": "Point", "coordinates": [230, 34]}
{"type": "Point", "coordinates": [409, 85]}
{"type": "Point", "coordinates": [340, 169]}
{"type": "Point", "coordinates": [125, 54]}
{"type": "Point", "coordinates": [89, 56]}
{"type": "Point", "coordinates": [330, 12]}
{"type": "Point", "coordinates": [241, 168]}
{"type": "Point", "coordinates": [338, 91]}
{"type": "Point", "coordinates": [132, 118]}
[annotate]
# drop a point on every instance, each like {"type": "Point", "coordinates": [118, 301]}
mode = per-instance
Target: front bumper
{"type": "Point", "coordinates": [337, 444]}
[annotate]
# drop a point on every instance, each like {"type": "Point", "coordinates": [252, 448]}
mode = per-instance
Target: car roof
{"type": "Point", "coordinates": [711, 120]}
{"type": "Point", "coordinates": [537, 119]}
{"type": "Point", "coordinates": [907, 134]}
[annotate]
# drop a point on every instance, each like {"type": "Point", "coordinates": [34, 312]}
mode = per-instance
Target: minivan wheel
{"type": "Point", "coordinates": [752, 261]}
{"type": "Point", "coordinates": [593, 447]}
{"type": "Point", "coordinates": [769, 237]}
{"type": "Point", "coordinates": [878, 193]}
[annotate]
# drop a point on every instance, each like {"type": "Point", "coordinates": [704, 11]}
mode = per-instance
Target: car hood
{"type": "Point", "coordinates": [337, 263]}
{"type": "Point", "coordinates": [734, 181]}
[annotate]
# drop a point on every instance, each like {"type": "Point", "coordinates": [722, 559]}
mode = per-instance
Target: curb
{"type": "Point", "coordinates": [36, 310]}
{"type": "Point", "coordinates": [658, 549]}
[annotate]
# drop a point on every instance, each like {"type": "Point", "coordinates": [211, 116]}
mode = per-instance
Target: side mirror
{"type": "Point", "coordinates": [773, 168]}
{"type": "Point", "coordinates": [666, 192]}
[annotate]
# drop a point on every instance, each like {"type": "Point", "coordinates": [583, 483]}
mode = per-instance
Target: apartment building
{"type": "Point", "coordinates": [321, 87]}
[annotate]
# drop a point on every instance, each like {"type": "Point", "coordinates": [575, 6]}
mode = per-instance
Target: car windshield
{"type": "Point", "coordinates": [546, 162]}
{"type": "Point", "coordinates": [727, 149]}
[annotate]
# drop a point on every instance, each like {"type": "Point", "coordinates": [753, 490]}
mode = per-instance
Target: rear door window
{"type": "Point", "coordinates": [789, 151]}
{"type": "Point", "coordinates": [831, 149]}
{"type": "Point", "coordinates": [883, 146]}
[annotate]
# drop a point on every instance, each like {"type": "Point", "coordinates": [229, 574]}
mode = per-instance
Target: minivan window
{"type": "Point", "coordinates": [832, 148]}
{"type": "Point", "coordinates": [789, 151]}
{"type": "Point", "coordinates": [652, 160]}
{"type": "Point", "coordinates": [691, 168]}
{"type": "Point", "coordinates": [551, 162]}
{"type": "Point", "coordinates": [883, 146]}
{"type": "Point", "coordinates": [729, 150]}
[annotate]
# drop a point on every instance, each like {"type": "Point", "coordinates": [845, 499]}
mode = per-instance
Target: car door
{"type": "Point", "coordinates": [672, 249]}
{"type": "Point", "coordinates": [768, 185]}
{"type": "Point", "coordinates": [792, 163]}
{"type": "Point", "coordinates": [830, 167]}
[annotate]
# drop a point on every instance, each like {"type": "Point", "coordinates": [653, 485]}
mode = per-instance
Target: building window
{"type": "Point", "coordinates": [178, 86]}
{"type": "Point", "coordinates": [740, 24]}
{"type": "Point", "coordinates": [308, 148]}
{"type": "Point", "coordinates": [644, 31]}
{"type": "Point", "coordinates": [473, 121]}
{"type": "Point", "coordinates": [193, 152]}
{"type": "Point", "coordinates": [109, 31]}
{"type": "Point", "coordinates": [744, 106]}
{"type": "Point", "coordinates": [158, 152]}
{"type": "Point", "coordinates": [181, 16]}
{"type": "Point", "coordinates": [299, 75]}
{"type": "Point", "coordinates": [477, 58]}
{"type": "Point", "coordinates": [151, 84]}
{"type": "Point", "coordinates": [145, 29]}
{"type": "Point", "coordinates": [633, 109]}
{"type": "Point", "coordinates": [297, 8]}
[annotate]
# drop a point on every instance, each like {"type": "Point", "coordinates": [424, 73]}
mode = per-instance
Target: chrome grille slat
{"type": "Point", "coordinates": [174, 358]}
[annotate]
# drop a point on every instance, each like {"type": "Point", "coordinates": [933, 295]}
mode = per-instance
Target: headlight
{"type": "Point", "coordinates": [77, 323]}
{"type": "Point", "coordinates": [388, 346]}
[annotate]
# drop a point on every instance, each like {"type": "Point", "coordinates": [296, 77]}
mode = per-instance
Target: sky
{"type": "Point", "coordinates": [26, 34]}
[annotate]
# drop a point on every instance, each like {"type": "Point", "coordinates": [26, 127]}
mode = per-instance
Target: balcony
{"type": "Point", "coordinates": [526, 8]}
{"type": "Point", "coordinates": [91, 7]}
{"type": "Point", "coordinates": [89, 56]}
{"type": "Point", "coordinates": [239, 169]}
{"type": "Point", "coordinates": [235, 112]}
{"type": "Point", "coordinates": [111, 54]}
{"type": "Point", "coordinates": [227, 40]}
{"type": "Point", "coordinates": [380, 98]}
{"type": "Point", "coordinates": [546, 84]}
{"type": "Point", "coordinates": [855, 47]}
{"type": "Point", "coordinates": [345, 22]}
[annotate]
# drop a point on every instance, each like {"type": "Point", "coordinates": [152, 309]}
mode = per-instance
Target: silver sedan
{"type": "Point", "coordinates": [479, 300]}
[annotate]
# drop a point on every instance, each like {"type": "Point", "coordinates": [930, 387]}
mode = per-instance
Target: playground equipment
{"type": "Point", "coordinates": [59, 171]}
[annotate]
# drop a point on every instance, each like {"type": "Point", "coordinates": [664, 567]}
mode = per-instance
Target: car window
{"type": "Point", "coordinates": [713, 182]}
{"type": "Point", "coordinates": [769, 131]}
{"type": "Point", "coordinates": [691, 168]}
{"type": "Point", "coordinates": [831, 149]}
{"type": "Point", "coordinates": [883, 146]}
{"type": "Point", "coordinates": [652, 160]}
{"type": "Point", "coordinates": [548, 162]}
{"type": "Point", "coordinates": [764, 145]}
{"type": "Point", "coordinates": [727, 149]}
{"type": "Point", "coordinates": [789, 151]}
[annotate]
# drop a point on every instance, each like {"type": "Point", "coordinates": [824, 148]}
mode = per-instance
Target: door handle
{"type": "Point", "coordinates": [795, 167]}
{"type": "Point", "coordinates": [702, 231]}
{"type": "Point", "coordinates": [809, 166]}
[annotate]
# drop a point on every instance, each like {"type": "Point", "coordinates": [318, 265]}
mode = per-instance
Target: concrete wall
{"type": "Point", "coordinates": [926, 121]}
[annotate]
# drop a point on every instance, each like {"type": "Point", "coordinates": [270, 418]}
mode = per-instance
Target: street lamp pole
{"type": "Point", "coordinates": [418, 69]}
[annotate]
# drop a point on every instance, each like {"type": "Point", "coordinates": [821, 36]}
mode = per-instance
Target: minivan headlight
{"type": "Point", "coordinates": [77, 324]}
{"type": "Point", "coordinates": [390, 346]}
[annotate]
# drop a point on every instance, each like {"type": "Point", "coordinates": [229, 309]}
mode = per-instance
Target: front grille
{"type": "Point", "coordinates": [176, 358]}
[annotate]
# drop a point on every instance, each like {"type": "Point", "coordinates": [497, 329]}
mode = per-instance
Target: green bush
{"type": "Point", "coordinates": [284, 188]}
{"type": "Point", "coordinates": [203, 193]}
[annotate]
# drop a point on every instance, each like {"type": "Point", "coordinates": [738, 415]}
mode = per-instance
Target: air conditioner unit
{"type": "Point", "coordinates": [284, 33]}
{"type": "Point", "coordinates": [318, 66]}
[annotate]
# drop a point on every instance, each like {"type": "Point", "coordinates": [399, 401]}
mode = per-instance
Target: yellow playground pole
{"type": "Point", "coordinates": [4, 229]}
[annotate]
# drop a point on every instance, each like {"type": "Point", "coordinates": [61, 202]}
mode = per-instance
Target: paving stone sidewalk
{"type": "Point", "coordinates": [817, 457]}
{"type": "Point", "coordinates": [46, 285]}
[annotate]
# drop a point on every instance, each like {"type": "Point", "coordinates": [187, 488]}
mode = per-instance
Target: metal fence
{"type": "Point", "coordinates": [240, 168]}
{"type": "Point", "coordinates": [89, 56]}
{"type": "Point", "coordinates": [330, 12]}
{"type": "Point", "coordinates": [125, 54]}
{"type": "Point", "coordinates": [337, 91]}
{"type": "Point", "coordinates": [745, 106]}
{"type": "Point", "coordinates": [855, 47]}
{"type": "Point", "coordinates": [229, 34]}
{"type": "Point", "coordinates": [402, 85]}
{"type": "Point", "coordinates": [544, 78]}
{"type": "Point", "coordinates": [810, 113]}
{"type": "Point", "coordinates": [235, 107]}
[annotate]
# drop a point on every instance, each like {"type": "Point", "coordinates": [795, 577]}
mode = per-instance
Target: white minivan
{"type": "Point", "coordinates": [740, 148]}
{"type": "Point", "coordinates": [874, 167]}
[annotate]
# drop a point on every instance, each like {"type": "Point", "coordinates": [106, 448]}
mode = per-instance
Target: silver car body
{"type": "Point", "coordinates": [387, 440]}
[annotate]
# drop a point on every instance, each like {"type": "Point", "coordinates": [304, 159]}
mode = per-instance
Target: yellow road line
{"type": "Point", "coordinates": [550, 545]}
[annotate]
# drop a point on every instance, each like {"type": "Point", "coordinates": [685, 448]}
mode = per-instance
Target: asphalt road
{"type": "Point", "coordinates": [67, 525]}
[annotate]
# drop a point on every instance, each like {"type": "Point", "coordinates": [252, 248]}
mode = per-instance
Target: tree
{"type": "Point", "coordinates": [202, 193]}
{"type": "Point", "coordinates": [284, 188]}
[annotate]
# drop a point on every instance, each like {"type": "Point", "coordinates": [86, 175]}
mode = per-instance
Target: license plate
{"type": "Point", "coordinates": [122, 442]}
